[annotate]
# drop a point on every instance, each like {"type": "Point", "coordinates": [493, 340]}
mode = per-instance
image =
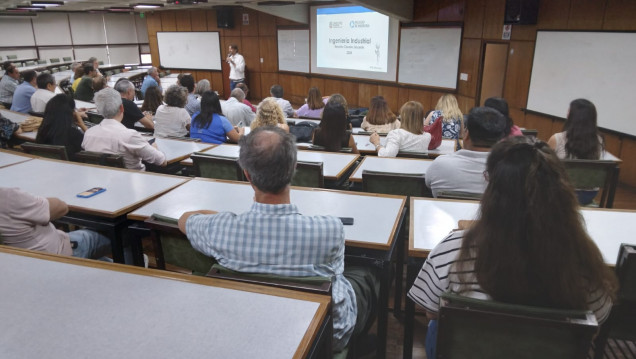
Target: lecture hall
{"type": "Point", "coordinates": [318, 179]}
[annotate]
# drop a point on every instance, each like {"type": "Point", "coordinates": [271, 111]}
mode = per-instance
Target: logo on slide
{"type": "Point", "coordinates": [358, 23]}
{"type": "Point", "coordinates": [335, 24]}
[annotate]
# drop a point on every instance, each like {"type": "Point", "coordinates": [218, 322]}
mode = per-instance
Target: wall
{"type": "Point", "coordinates": [482, 21]}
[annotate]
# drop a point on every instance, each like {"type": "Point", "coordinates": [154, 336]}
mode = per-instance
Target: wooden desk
{"type": "Point", "coordinates": [15, 117]}
{"type": "Point", "coordinates": [176, 150]}
{"type": "Point", "coordinates": [125, 191]}
{"type": "Point", "coordinates": [62, 75]}
{"type": "Point", "coordinates": [390, 164]}
{"type": "Point", "coordinates": [335, 165]}
{"type": "Point", "coordinates": [8, 158]}
{"type": "Point", "coordinates": [84, 104]}
{"type": "Point", "coordinates": [73, 308]}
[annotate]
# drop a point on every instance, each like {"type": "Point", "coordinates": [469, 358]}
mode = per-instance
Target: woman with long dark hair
{"type": "Point", "coordinates": [528, 246]}
{"type": "Point", "coordinates": [210, 125]}
{"type": "Point", "coordinates": [580, 138]}
{"type": "Point", "coordinates": [333, 133]}
{"type": "Point", "coordinates": [62, 125]}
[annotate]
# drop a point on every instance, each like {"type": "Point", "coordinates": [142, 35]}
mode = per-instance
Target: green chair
{"type": "Point", "coordinates": [12, 57]}
{"type": "Point", "coordinates": [593, 174]}
{"type": "Point", "coordinates": [108, 73]}
{"type": "Point", "coordinates": [619, 328]}
{"type": "Point", "coordinates": [55, 70]}
{"type": "Point", "coordinates": [30, 63]}
{"type": "Point", "coordinates": [47, 151]}
{"type": "Point", "coordinates": [403, 184]}
{"type": "Point", "coordinates": [468, 196]}
{"type": "Point", "coordinates": [472, 328]}
{"type": "Point", "coordinates": [309, 174]}
{"type": "Point", "coordinates": [116, 71]}
{"type": "Point", "coordinates": [101, 159]}
{"type": "Point", "coordinates": [67, 59]}
{"type": "Point", "coordinates": [100, 63]}
{"type": "Point", "coordinates": [217, 167]}
{"type": "Point", "coordinates": [54, 60]}
{"type": "Point", "coordinates": [41, 62]}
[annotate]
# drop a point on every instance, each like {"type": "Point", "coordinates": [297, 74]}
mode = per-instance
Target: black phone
{"type": "Point", "coordinates": [151, 141]}
{"type": "Point", "coordinates": [346, 221]}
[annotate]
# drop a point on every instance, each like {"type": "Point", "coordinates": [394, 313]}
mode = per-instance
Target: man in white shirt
{"type": "Point", "coordinates": [110, 136]}
{"type": "Point", "coordinates": [45, 92]}
{"type": "Point", "coordinates": [236, 111]}
{"type": "Point", "coordinates": [237, 66]}
{"type": "Point", "coordinates": [463, 171]}
{"type": "Point", "coordinates": [277, 92]}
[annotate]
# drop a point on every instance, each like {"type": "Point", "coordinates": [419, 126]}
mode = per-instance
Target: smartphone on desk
{"type": "Point", "coordinates": [346, 221]}
{"type": "Point", "coordinates": [91, 192]}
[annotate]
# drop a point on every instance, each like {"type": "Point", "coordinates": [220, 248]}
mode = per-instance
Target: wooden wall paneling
{"type": "Point", "coordinates": [469, 64]}
{"type": "Point", "coordinates": [236, 30]}
{"type": "Point", "coordinates": [557, 126]}
{"type": "Point", "coordinates": [285, 22]}
{"type": "Point", "coordinates": [494, 17]}
{"type": "Point", "coordinates": [267, 80]}
{"type": "Point", "coordinates": [628, 167]}
{"type": "Point", "coordinates": [153, 23]}
{"type": "Point", "coordinates": [212, 24]}
{"type": "Point", "coordinates": [298, 88]}
{"type": "Point", "coordinates": [540, 123]}
{"type": "Point", "coordinates": [517, 81]}
{"type": "Point", "coordinates": [586, 14]}
{"type": "Point", "coordinates": [451, 10]}
{"type": "Point", "coordinates": [168, 22]}
{"type": "Point", "coordinates": [553, 14]}
{"type": "Point", "coordinates": [182, 19]}
{"type": "Point", "coordinates": [391, 95]}
{"type": "Point", "coordinates": [268, 49]}
{"type": "Point", "coordinates": [518, 117]}
{"type": "Point", "coordinates": [465, 103]}
{"type": "Point", "coordinates": [286, 80]}
{"type": "Point", "coordinates": [266, 25]}
{"type": "Point", "coordinates": [613, 144]}
{"type": "Point", "coordinates": [403, 95]}
{"type": "Point", "coordinates": [254, 87]}
{"type": "Point", "coordinates": [199, 20]}
{"type": "Point", "coordinates": [154, 49]}
{"type": "Point", "coordinates": [620, 15]}
{"type": "Point", "coordinates": [524, 32]}
{"type": "Point", "coordinates": [365, 92]}
{"type": "Point", "coordinates": [425, 10]}
{"type": "Point", "coordinates": [423, 97]}
{"type": "Point", "coordinates": [348, 89]}
{"type": "Point", "coordinates": [318, 82]}
{"type": "Point", "coordinates": [200, 75]}
{"type": "Point", "coordinates": [251, 29]}
{"type": "Point", "coordinates": [474, 18]}
{"type": "Point", "coordinates": [250, 50]}
{"type": "Point", "coordinates": [217, 83]}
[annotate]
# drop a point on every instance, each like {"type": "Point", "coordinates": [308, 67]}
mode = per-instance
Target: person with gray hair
{"type": "Point", "coordinates": [246, 90]}
{"type": "Point", "coordinates": [274, 238]}
{"type": "Point", "coordinates": [152, 79]}
{"type": "Point", "coordinates": [93, 61]}
{"type": "Point", "coordinates": [132, 114]}
{"type": "Point", "coordinates": [110, 136]}
{"type": "Point", "coordinates": [238, 113]}
{"type": "Point", "coordinates": [202, 86]}
{"type": "Point", "coordinates": [172, 119]}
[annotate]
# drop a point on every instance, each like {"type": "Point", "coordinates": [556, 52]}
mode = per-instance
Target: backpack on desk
{"type": "Point", "coordinates": [303, 131]}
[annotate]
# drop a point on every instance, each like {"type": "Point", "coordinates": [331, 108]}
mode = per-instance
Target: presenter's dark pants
{"type": "Point", "coordinates": [234, 82]}
{"type": "Point", "coordinates": [366, 285]}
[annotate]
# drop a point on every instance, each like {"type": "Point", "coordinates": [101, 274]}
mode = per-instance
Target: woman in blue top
{"type": "Point", "coordinates": [210, 125]}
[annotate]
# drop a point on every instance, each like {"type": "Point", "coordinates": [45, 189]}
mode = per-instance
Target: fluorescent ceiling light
{"type": "Point", "coordinates": [30, 7]}
{"type": "Point", "coordinates": [47, 3]}
{"type": "Point", "coordinates": [148, 6]}
{"type": "Point", "coordinates": [120, 9]}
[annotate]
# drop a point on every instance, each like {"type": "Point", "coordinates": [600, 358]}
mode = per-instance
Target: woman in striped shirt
{"type": "Point", "coordinates": [529, 245]}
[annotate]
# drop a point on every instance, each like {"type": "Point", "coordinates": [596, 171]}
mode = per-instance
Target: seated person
{"type": "Point", "coordinates": [380, 118]}
{"type": "Point", "coordinates": [99, 82]}
{"type": "Point", "coordinates": [463, 171]}
{"type": "Point", "coordinates": [209, 125]}
{"type": "Point", "coordinates": [528, 230]}
{"type": "Point", "coordinates": [238, 113]}
{"type": "Point", "coordinates": [152, 101]}
{"type": "Point", "coordinates": [172, 119]}
{"type": "Point", "coordinates": [45, 92]}
{"type": "Point", "coordinates": [276, 91]}
{"type": "Point", "coordinates": [453, 118]}
{"type": "Point", "coordinates": [192, 105]}
{"type": "Point", "coordinates": [77, 76]}
{"type": "Point", "coordinates": [269, 113]}
{"type": "Point", "coordinates": [501, 105]}
{"type": "Point", "coordinates": [24, 91]}
{"type": "Point", "coordinates": [8, 83]}
{"type": "Point", "coordinates": [333, 133]}
{"type": "Point", "coordinates": [410, 137]}
{"type": "Point", "coordinates": [132, 114]}
{"type": "Point", "coordinates": [151, 80]}
{"type": "Point", "coordinates": [202, 86]}
{"type": "Point", "coordinates": [25, 222]}
{"type": "Point", "coordinates": [274, 238]}
{"type": "Point", "coordinates": [7, 130]}
{"type": "Point", "coordinates": [314, 106]}
{"type": "Point", "coordinates": [62, 125]}
{"type": "Point", "coordinates": [243, 87]}
{"type": "Point", "coordinates": [84, 90]}
{"type": "Point", "coordinates": [110, 136]}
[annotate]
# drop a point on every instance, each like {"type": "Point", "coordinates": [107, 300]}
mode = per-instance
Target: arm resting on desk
{"type": "Point", "coordinates": [57, 208]}
{"type": "Point", "coordinates": [184, 217]}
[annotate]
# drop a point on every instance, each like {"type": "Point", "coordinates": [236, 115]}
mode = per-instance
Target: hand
{"type": "Point", "coordinates": [241, 131]}
{"type": "Point", "coordinates": [465, 224]}
{"type": "Point", "coordinates": [375, 139]}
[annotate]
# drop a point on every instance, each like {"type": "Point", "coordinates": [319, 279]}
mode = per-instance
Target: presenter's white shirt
{"type": "Point", "coordinates": [237, 70]}
{"type": "Point", "coordinates": [39, 99]}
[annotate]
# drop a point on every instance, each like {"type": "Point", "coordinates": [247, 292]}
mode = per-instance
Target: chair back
{"type": "Point", "coordinates": [472, 328]}
{"type": "Point", "coordinates": [67, 59]}
{"type": "Point", "coordinates": [47, 151]}
{"type": "Point", "coordinates": [102, 159]}
{"type": "Point", "coordinates": [590, 174]}
{"type": "Point", "coordinates": [216, 167]}
{"type": "Point", "coordinates": [41, 62]}
{"type": "Point", "coordinates": [54, 60]}
{"type": "Point", "coordinates": [403, 184]}
{"type": "Point", "coordinates": [309, 174]}
{"type": "Point", "coordinates": [322, 148]}
{"type": "Point", "coordinates": [411, 154]}
{"type": "Point", "coordinates": [469, 196]}
{"type": "Point", "coordinates": [12, 57]}
{"type": "Point", "coordinates": [530, 133]}
{"type": "Point", "coordinates": [29, 63]}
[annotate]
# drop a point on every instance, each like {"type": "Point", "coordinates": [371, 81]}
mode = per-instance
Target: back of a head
{"type": "Point", "coordinates": [333, 127]}
{"type": "Point", "coordinates": [276, 91]}
{"type": "Point", "coordinates": [152, 99]}
{"type": "Point", "coordinates": [527, 228]}
{"type": "Point", "coordinates": [314, 99]}
{"type": "Point", "coordinates": [338, 98]}
{"type": "Point", "coordinates": [176, 96]}
{"type": "Point", "coordinates": [268, 155]}
{"type": "Point", "coordinates": [44, 80]}
{"type": "Point", "coordinates": [108, 102]}
{"type": "Point", "coordinates": [152, 71]}
{"type": "Point", "coordinates": [202, 86]}
{"type": "Point", "coordinates": [379, 112]}
{"type": "Point", "coordinates": [99, 82]}
{"type": "Point", "coordinates": [88, 68]}
{"type": "Point", "coordinates": [238, 94]}
{"type": "Point", "coordinates": [449, 107]}
{"type": "Point", "coordinates": [57, 120]}
{"type": "Point", "coordinates": [29, 75]}
{"type": "Point", "coordinates": [501, 105]}
{"type": "Point", "coordinates": [412, 117]}
{"type": "Point", "coordinates": [268, 113]}
{"type": "Point", "coordinates": [582, 132]}
{"type": "Point", "coordinates": [243, 87]}
{"type": "Point", "coordinates": [486, 126]}
{"type": "Point", "coordinates": [187, 81]}
{"type": "Point", "coordinates": [123, 86]}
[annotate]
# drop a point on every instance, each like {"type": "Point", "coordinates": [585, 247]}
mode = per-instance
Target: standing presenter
{"type": "Point", "coordinates": [237, 66]}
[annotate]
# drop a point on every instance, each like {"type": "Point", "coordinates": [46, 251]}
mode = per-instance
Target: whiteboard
{"type": "Point", "coordinates": [429, 56]}
{"type": "Point", "coordinates": [598, 66]}
{"type": "Point", "coordinates": [293, 50]}
{"type": "Point", "coordinates": [189, 50]}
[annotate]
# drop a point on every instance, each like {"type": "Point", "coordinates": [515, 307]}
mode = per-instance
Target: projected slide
{"type": "Point", "coordinates": [353, 38]}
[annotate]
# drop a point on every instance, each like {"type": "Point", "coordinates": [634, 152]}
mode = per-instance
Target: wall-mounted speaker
{"type": "Point", "coordinates": [224, 17]}
{"type": "Point", "coordinates": [521, 12]}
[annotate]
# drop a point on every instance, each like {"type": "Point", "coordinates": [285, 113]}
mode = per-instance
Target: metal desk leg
{"type": "Point", "coordinates": [412, 269]}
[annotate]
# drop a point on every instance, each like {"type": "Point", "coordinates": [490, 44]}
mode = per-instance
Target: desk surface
{"type": "Point", "coordinates": [390, 164]}
{"type": "Point", "coordinates": [334, 164]}
{"type": "Point", "coordinates": [9, 158]}
{"type": "Point", "coordinates": [74, 308]}
{"type": "Point", "coordinates": [125, 189]}
{"type": "Point", "coordinates": [432, 219]}
{"type": "Point", "coordinates": [375, 216]}
{"type": "Point", "coordinates": [15, 117]}
{"type": "Point", "coordinates": [84, 104]}
{"type": "Point", "coordinates": [176, 150]}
